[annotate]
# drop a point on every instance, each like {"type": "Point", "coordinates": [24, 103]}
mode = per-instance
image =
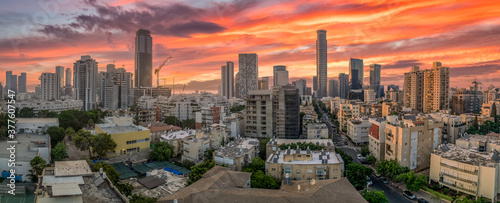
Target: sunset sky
{"type": "Point", "coordinates": [201, 35]}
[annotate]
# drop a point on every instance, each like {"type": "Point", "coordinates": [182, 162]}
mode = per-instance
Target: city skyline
{"type": "Point", "coordinates": [467, 43]}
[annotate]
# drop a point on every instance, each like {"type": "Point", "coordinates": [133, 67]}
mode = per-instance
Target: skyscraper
{"type": "Point", "coordinates": [22, 83]}
{"type": "Point", "coordinates": [60, 75]}
{"type": "Point", "coordinates": [281, 78]}
{"type": "Point", "coordinates": [49, 86]}
{"type": "Point", "coordinates": [321, 63]}
{"type": "Point", "coordinates": [10, 82]}
{"type": "Point", "coordinates": [249, 73]}
{"type": "Point", "coordinates": [227, 80]}
{"type": "Point", "coordinates": [356, 73]}
{"type": "Point", "coordinates": [300, 84]}
{"type": "Point", "coordinates": [436, 88]}
{"type": "Point", "coordinates": [68, 76]}
{"type": "Point", "coordinates": [413, 88]}
{"type": "Point", "coordinates": [333, 88]}
{"type": "Point", "coordinates": [85, 81]}
{"type": "Point", "coordinates": [343, 85]}
{"type": "Point", "coordinates": [315, 83]}
{"type": "Point", "coordinates": [143, 59]}
{"type": "Point", "coordinates": [375, 79]}
{"type": "Point", "coordinates": [237, 85]}
{"type": "Point", "coordinates": [264, 83]}
{"type": "Point", "coordinates": [116, 88]}
{"type": "Point", "coordinates": [276, 69]}
{"type": "Point", "coordinates": [286, 112]}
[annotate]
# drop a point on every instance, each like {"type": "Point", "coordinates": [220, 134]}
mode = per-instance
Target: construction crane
{"type": "Point", "coordinates": [183, 88]}
{"type": "Point", "coordinates": [476, 83]}
{"type": "Point", "coordinates": [157, 71]}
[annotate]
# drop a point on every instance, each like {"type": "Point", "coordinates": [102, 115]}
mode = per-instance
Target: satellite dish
{"type": "Point", "coordinates": [313, 181]}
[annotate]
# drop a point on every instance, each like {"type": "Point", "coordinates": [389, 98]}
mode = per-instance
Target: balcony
{"type": "Point", "coordinates": [475, 172]}
{"type": "Point", "coordinates": [453, 186]}
{"type": "Point", "coordinates": [389, 152]}
{"type": "Point", "coordinates": [459, 178]}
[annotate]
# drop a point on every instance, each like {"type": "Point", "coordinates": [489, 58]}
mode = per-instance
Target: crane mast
{"type": "Point", "coordinates": [157, 70]}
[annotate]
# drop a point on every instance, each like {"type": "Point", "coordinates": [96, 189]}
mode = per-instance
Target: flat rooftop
{"type": "Point", "coordinates": [467, 156]}
{"type": "Point", "coordinates": [72, 168]}
{"type": "Point", "coordinates": [27, 146]}
{"type": "Point", "coordinates": [490, 137]}
{"type": "Point", "coordinates": [237, 148]}
{"type": "Point", "coordinates": [178, 134]}
{"type": "Point", "coordinates": [290, 141]}
{"type": "Point", "coordinates": [113, 129]}
{"type": "Point", "coordinates": [332, 157]}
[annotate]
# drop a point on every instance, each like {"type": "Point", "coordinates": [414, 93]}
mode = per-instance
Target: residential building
{"type": "Point", "coordinates": [466, 170]}
{"type": "Point", "coordinates": [143, 59]}
{"type": "Point", "coordinates": [370, 95]}
{"type": "Point", "coordinates": [304, 165]}
{"type": "Point", "coordinates": [237, 153]}
{"type": "Point", "coordinates": [305, 99]}
{"type": "Point", "coordinates": [481, 143]}
{"type": "Point", "coordinates": [85, 82]}
{"type": "Point", "coordinates": [436, 88]}
{"type": "Point", "coordinates": [68, 77]}
{"type": "Point", "coordinates": [488, 107]}
{"type": "Point", "coordinates": [462, 101]}
{"type": "Point", "coordinates": [157, 129]}
{"type": "Point", "coordinates": [301, 85]}
{"type": "Point", "coordinates": [357, 130]}
{"type": "Point", "coordinates": [315, 83]}
{"type": "Point", "coordinates": [413, 88]}
{"type": "Point", "coordinates": [116, 88]}
{"type": "Point", "coordinates": [395, 96]}
{"type": "Point", "coordinates": [22, 83]}
{"type": "Point", "coordinates": [55, 105]}
{"type": "Point", "coordinates": [275, 75]}
{"type": "Point", "coordinates": [35, 125]}
{"type": "Point", "coordinates": [376, 135]}
{"type": "Point", "coordinates": [282, 78]}
{"type": "Point", "coordinates": [232, 125]}
{"type": "Point", "coordinates": [308, 91]}
{"type": "Point", "coordinates": [207, 116]}
{"type": "Point", "coordinates": [333, 88]}
{"type": "Point", "coordinates": [49, 86]}
{"type": "Point", "coordinates": [343, 85]}
{"type": "Point", "coordinates": [356, 74]}
{"type": "Point", "coordinates": [275, 144]}
{"type": "Point", "coordinates": [216, 135]}
{"type": "Point", "coordinates": [177, 139]}
{"type": "Point", "coordinates": [317, 131]}
{"type": "Point", "coordinates": [375, 79]}
{"type": "Point", "coordinates": [227, 79]}
{"type": "Point", "coordinates": [248, 70]}
{"type": "Point", "coordinates": [411, 140]}
{"type": "Point", "coordinates": [129, 138]}
{"type": "Point", "coordinates": [237, 85]}
{"type": "Point", "coordinates": [322, 63]}
{"type": "Point", "coordinates": [347, 111]}
{"type": "Point", "coordinates": [453, 126]}
{"type": "Point", "coordinates": [194, 149]}
{"type": "Point", "coordinates": [259, 115]}
{"type": "Point", "coordinates": [286, 112]}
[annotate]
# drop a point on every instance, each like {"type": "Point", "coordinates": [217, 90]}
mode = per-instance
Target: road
{"type": "Point", "coordinates": [391, 194]}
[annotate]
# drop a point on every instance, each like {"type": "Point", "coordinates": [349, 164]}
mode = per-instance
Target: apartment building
{"type": "Point", "coordinates": [194, 149]}
{"type": "Point", "coordinates": [177, 138]}
{"type": "Point", "coordinates": [453, 126]}
{"type": "Point", "coordinates": [275, 143]}
{"type": "Point", "coordinates": [259, 116]}
{"type": "Point", "coordinates": [286, 111]}
{"type": "Point", "coordinates": [480, 143]}
{"type": "Point", "coordinates": [237, 153]}
{"type": "Point", "coordinates": [215, 133]}
{"type": "Point", "coordinates": [436, 88]}
{"type": "Point", "coordinates": [347, 111]}
{"type": "Point", "coordinates": [317, 131]}
{"type": "Point", "coordinates": [411, 140]}
{"type": "Point", "coordinates": [413, 88]}
{"type": "Point", "coordinates": [376, 136]}
{"type": "Point", "coordinates": [357, 130]}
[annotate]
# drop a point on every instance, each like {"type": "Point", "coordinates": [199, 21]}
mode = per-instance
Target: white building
{"type": "Point", "coordinates": [35, 125]}
{"type": "Point", "coordinates": [49, 86]}
{"type": "Point", "coordinates": [57, 105]}
{"type": "Point", "coordinates": [357, 130]}
{"type": "Point", "coordinates": [306, 99]}
{"type": "Point", "coordinates": [370, 95]}
{"type": "Point", "coordinates": [85, 81]}
{"type": "Point", "coordinates": [237, 153]}
{"type": "Point", "coordinates": [317, 130]}
{"type": "Point", "coordinates": [232, 125]}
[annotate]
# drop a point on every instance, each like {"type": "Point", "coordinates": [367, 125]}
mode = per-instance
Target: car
{"type": "Point", "coordinates": [409, 195]}
{"type": "Point", "coordinates": [345, 143]}
{"type": "Point", "coordinates": [422, 200]}
{"type": "Point", "coordinates": [359, 156]}
{"type": "Point", "coordinates": [369, 181]}
{"type": "Point", "coordinates": [384, 180]}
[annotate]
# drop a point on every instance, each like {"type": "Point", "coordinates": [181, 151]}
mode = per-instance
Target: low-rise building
{"type": "Point", "coordinates": [35, 125]}
{"type": "Point", "coordinates": [56, 106]}
{"type": "Point", "coordinates": [347, 111]}
{"type": "Point", "coordinates": [215, 133]}
{"type": "Point", "coordinates": [194, 149]}
{"type": "Point", "coordinates": [317, 131]}
{"type": "Point", "coordinates": [157, 129]}
{"type": "Point", "coordinates": [275, 144]}
{"type": "Point", "coordinates": [177, 138]}
{"type": "Point", "coordinates": [376, 135]}
{"type": "Point", "coordinates": [304, 165]}
{"type": "Point", "coordinates": [453, 126]}
{"type": "Point", "coordinates": [467, 171]}
{"type": "Point", "coordinates": [480, 143]}
{"type": "Point", "coordinates": [357, 130]}
{"type": "Point", "coordinates": [232, 125]}
{"type": "Point", "coordinates": [127, 136]}
{"type": "Point", "coordinates": [237, 153]}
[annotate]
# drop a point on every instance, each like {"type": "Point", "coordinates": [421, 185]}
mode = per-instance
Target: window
{"type": "Point", "coordinates": [308, 155]}
{"type": "Point", "coordinates": [335, 170]}
{"type": "Point", "coordinates": [273, 169]}
{"type": "Point", "coordinates": [297, 171]}
{"type": "Point", "coordinates": [320, 172]}
{"type": "Point", "coordinates": [299, 155]}
{"type": "Point", "coordinates": [288, 170]}
{"type": "Point", "coordinates": [309, 171]}
{"type": "Point", "coordinates": [132, 142]}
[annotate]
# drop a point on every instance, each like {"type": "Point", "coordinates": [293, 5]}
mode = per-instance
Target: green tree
{"type": "Point", "coordinates": [141, 199]}
{"type": "Point", "coordinates": [83, 140]}
{"type": "Point", "coordinates": [73, 118]}
{"type": "Point", "coordinates": [47, 114]}
{"type": "Point", "coordinates": [302, 146]}
{"type": "Point", "coordinates": [37, 165]}
{"type": "Point", "coordinates": [56, 135]}
{"type": "Point", "coordinates": [394, 113]}
{"type": "Point", "coordinates": [111, 173]}
{"type": "Point", "coordinates": [26, 113]}
{"type": "Point", "coordinates": [59, 153]}
{"type": "Point", "coordinates": [347, 159]}
{"type": "Point", "coordinates": [390, 168]}
{"type": "Point", "coordinates": [257, 164]}
{"type": "Point", "coordinates": [475, 123]}
{"type": "Point", "coordinates": [172, 120]}
{"type": "Point", "coordinates": [70, 132]}
{"type": "Point", "coordinates": [261, 180]}
{"type": "Point", "coordinates": [468, 200]}
{"type": "Point", "coordinates": [188, 164]}
{"type": "Point", "coordinates": [198, 170]}
{"type": "Point", "coordinates": [262, 147]}
{"type": "Point", "coordinates": [125, 188]}
{"type": "Point", "coordinates": [189, 123]}
{"type": "Point", "coordinates": [356, 174]}
{"type": "Point", "coordinates": [365, 151]}
{"type": "Point", "coordinates": [102, 143]}
{"type": "Point", "coordinates": [374, 196]}
{"type": "Point", "coordinates": [371, 160]}
{"type": "Point", "coordinates": [209, 154]}
{"type": "Point", "coordinates": [493, 110]}
{"type": "Point", "coordinates": [162, 152]}
{"type": "Point", "coordinates": [412, 181]}
{"type": "Point", "coordinates": [237, 108]}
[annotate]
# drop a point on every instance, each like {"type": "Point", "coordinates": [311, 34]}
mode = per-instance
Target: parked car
{"type": "Point", "coordinates": [369, 181]}
{"type": "Point", "coordinates": [409, 195]}
{"type": "Point", "coordinates": [384, 180]}
{"type": "Point", "coordinates": [422, 200]}
{"type": "Point", "coordinates": [345, 143]}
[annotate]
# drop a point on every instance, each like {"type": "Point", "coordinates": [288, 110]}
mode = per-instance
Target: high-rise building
{"type": "Point", "coordinates": [393, 87]}
{"type": "Point", "coordinates": [276, 69]}
{"type": "Point", "coordinates": [375, 79]}
{"type": "Point", "coordinates": [264, 83]}
{"type": "Point", "coordinates": [321, 63]}
{"type": "Point", "coordinates": [10, 82]}
{"type": "Point", "coordinates": [436, 88]}
{"type": "Point", "coordinates": [227, 80]}
{"type": "Point", "coordinates": [49, 86]}
{"type": "Point", "coordinates": [286, 112]}
{"type": "Point", "coordinates": [308, 91]}
{"type": "Point", "coordinates": [315, 83]}
{"type": "Point", "coordinates": [413, 88]}
{"type": "Point", "coordinates": [68, 76]}
{"type": "Point", "coordinates": [60, 75]}
{"type": "Point", "coordinates": [333, 88]}
{"type": "Point", "coordinates": [85, 81]}
{"type": "Point", "coordinates": [301, 84]}
{"type": "Point", "coordinates": [143, 59]}
{"type": "Point", "coordinates": [282, 78]}
{"type": "Point", "coordinates": [343, 85]}
{"type": "Point", "coordinates": [237, 85]}
{"type": "Point", "coordinates": [22, 83]}
{"type": "Point", "coordinates": [116, 88]}
{"type": "Point", "coordinates": [1, 91]}
{"type": "Point", "coordinates": [356, 73]}
{"type": "Point", "coordinates": [259, 116]}
{"type": "Point", "coordinates": [249, 73]}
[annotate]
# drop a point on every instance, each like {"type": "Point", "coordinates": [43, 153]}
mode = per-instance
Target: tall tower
{"type": "Point", "coordinates": [315, 83]}
{"type": "Point", "coordinates": [375, 79]}
{"type": "Point", "coordinates": [85, 81]}
{"type": "Point", "coordinates": [343, 85]}
{"type": "Point", "coordinates": [227, 80]}
{"type": "Point", "coordinates": [22, 83]}
{"type": "Point", "coordinates": [49, 86]}
{"type": "Point", "coordinates": [413, 88]}
{"type": "Point", "coordinates": [333, 88]}
{"type": "Point", "coordinates": [275, 76]}
{"type": "Point", "coordinates": [356, 73]}
{"type": "Point", "coordinates": [68, 76]}
{"type": "Point", "coordinates": [249, 73]}
{"type": "Point", "coordinates": [143, 59]}
{"type": "Point", "coordinates": [321, 63]}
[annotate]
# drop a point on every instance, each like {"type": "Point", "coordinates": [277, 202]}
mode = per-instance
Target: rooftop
{"type": "Point", "coordinates": [290, 141]}
{"type": "Point", "coordinates": [72, 168]}
{"type": "Point", "coordinates": [317, 157]}
{"type": "Point", "coordinates": [178, 134]}
{"type": "Point", "coordinates": [113, 129]}
{"type": "Point", "coordinates": [467, 156]}
{"type": "Point", "coordinates": [27, 147]}
{"type": "Point", "coordinates": [237, 148]}
{"type": "Point", "coordinates": [164, 128]}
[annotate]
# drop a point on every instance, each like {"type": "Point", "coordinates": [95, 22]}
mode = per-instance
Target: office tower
{"type": "Point", "coordinates": [436, 88]}
{"type": "Point", "coordinates": [286, 112]}
{"type": "Point", "coordinates": [381, 91]}
{"type": "Point", "coordinates": [321, 63]}
{"type": "Point", "coordinates": [343, 85]}
{"type": "Point", "coordinates": [333, 88]}
{"type": "Point", "coordinates": [264, 83]}
{"type": "Point", "coordinates": [68, 76]}
{"type": "Point", "coordinates": [393, 87]}
{"type": "Point", "coordinates": [60, 73]}
{"type": "Point", "coordinates": [259, 117]}
{"type": "Point", "coordinates": [237, 85]}
{"type": "Point", "coordinates": [375, 79]}
{"type": "Point", "coordinates": [116, 88]}
{"type": "Point", "coordinates": [281, 78]}
{"type": "Point", "coordinates": [227, 80]}
{"type": "Point", "coordinates": [249, 73]}
{"type": "Point", "coordinates": [143, 59]}
{"type": "Point", "coordinates": [300, 84]}
{"type": "Point", "coordinates": [308, 91]}
{"type": "Point", "coordinates": [85, 81]}
{"type": "Point", "coordinates": [1, 91]}
{"type": "Point", "coordinates": [356, 73]}
{"type": "Point", "coordinates": [22, 83]}
{"type": "Point", "coordinates": [462, 101]}
{"type": "Point", "coordinates": [413, 88]}
{"type": "Point", "coordinates": [275, 77]}
{"type": "Point", "coordinates": [11, 82]}
{"type": "Point", "coordinates": [315, 83]}
{"type": "Point", "coordinates": [49, 86]}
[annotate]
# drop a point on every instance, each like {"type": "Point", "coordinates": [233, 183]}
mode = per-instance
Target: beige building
{"type": "Point", "coordinates": [194, 149]}
{"type": "Point", "coordinates": [274, 144]}
{"type": "Point", "coordinates": [389, 107]}
{"type": "Point", "coordinates": [413, 88]}
{"type": "Point", "coordinates": [453, 126]}
{"type": "Point", "coordinates": [216, 134]}
{"type": "Point", "coordinates": [347, 111]}
{"type": "Point", "coordinates": [467, 170]}
{"type": "Point", "coordinates": [237, 153]}
{"type": "Point", "coordinates": [357, 130]}
{"type": "Point", "coordinates": [259, 117]}
{"type": "Point", "coordinates": [376, 137]}
{"type": "Point", "coordinates": [411, 140]}
{"type": "Point", "coordinates": [304, 165]}
{"type": "Point", "coordinates": [427, 90]}
{"type": "Point", "coordinates": [480, 143]}
{"type": "Point", "coordinates": [177, 138]}
{"type": "Point", "coordinates": [157, 129]}
{"type": "Point", "coordinates": [317, 131]}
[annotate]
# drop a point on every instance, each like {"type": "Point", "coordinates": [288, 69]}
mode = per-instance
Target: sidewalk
{"type": "Point", "coordinates": [419, 194]}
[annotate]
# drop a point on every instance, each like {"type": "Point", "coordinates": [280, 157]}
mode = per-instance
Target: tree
{"type": "Point", "coordinates": [257, 164]}
{"type": "Point", "coordinates": [412, 181]}
{"type": "Point", "coordinates": [26, 113]}
{"type": "Point", "coordinates": [390, 169]}
{"type": "Point", "coordinates": [493, 110]}
{"type": "Point", "coordinates": [467, 200]}
{"type": "Point", "coordinates": [141, 199]}
{"type": "Point", "coordinates": [394, 113]}
{"type": "Point", "coordinates": [70, 132]}
{"type": "Point", "coordinates": [172, 120]}
{"type": "Point", "coordinates": [475, 123]}
{"type": "Point", "coordinates": [198, 170]}
{"type": "Point", "coordinates": [223, 142]}
{"type": "Point", "coordinates": [59, 153]}
{"type": "Point", "coordinates": [371, 160]}
{"type": "Point", "coordinates": [125, 188]}
{"type": "Point", "coordinates": [209, 154]}
{"type": "Point", "coordinates": [47, 114]}
{"type": "Point", "coordinates": [162, 152]}
{"type": "Point", "coordinates": [83, 140]}
{"type": "Point", "coordinates": [73, 118]}
{"type": "Point", "coordinates": [237, 108]}
{"type": "Point", "coordinates": [261, 180]}
{"type": "Point", "coordinates": [37, 165]}
{"type": "Point", "coordinates": [374, 196]}
{"type": "Point", "coordinates": [365, 151]}
{"type": "Point", "coordinates": [188, 164]}
{"type": "Point", "coordinates": [356, 174]}
{"type": "Point", "coordinates": [347, 159]}
{"type": "Point", "coordinates": [56, 135]}
{"type": "Point", "coordinates": [111, 173]}
{"type": "Point", "coordinates": [262, 147]}
{"type": "Point", "coordinates": [102, 143]}
{"type": "Point", "coordinates": [189, 123]}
